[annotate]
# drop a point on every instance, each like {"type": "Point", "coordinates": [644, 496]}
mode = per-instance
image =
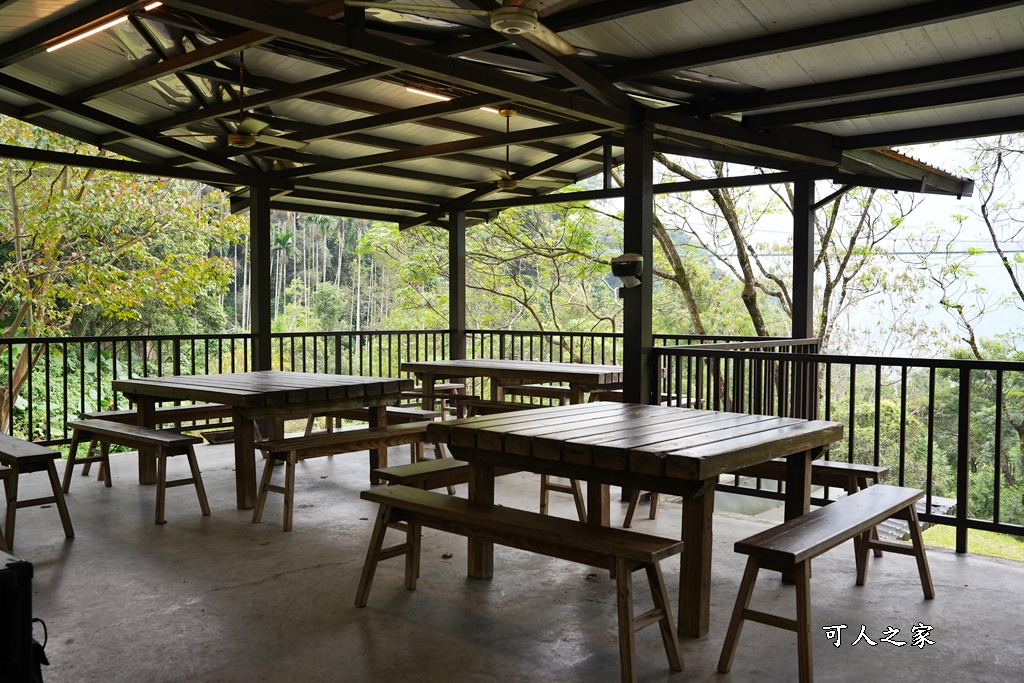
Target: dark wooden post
{"type": "Point", "coordinates": [638, 238]}
{"type": "Point", "coordinates": [259, 264]}
{"type": "Point", "coordinates": [803, 259]}
{"type": "Point", "coordinates": [457, 285]}
{"type": "Point", "coordinates": [804, 400]}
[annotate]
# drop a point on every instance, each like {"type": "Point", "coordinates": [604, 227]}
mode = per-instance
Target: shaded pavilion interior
{"type": "Point", "coordinates": [393, 114]}
{"type": "Point", "coordinates": [802, 90]}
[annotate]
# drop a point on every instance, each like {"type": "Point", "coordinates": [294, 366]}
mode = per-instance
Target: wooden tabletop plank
{"type": "Point", "coordinates": [515, 431]}
{"type": "Point", "coordinates": [622, 453]}
{"type": "Point", "coordinates": [577, 445]}
{"type": "Point", "coordinates": [442, 431]}
{"type": "Point", "coordinates": [650, 458]}
{"type": "Point", "coordinates": [172, 391]}
{"type": "Point", "coordinates": [708, 430]}
{"type": "Point", "coordinates": [265, 388]}
{"type": "Point", "coordinates": [719, 457]}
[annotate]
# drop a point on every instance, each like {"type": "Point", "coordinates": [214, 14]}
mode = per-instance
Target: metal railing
{"type": "Point", "coordinates": [946, 426]}
{"type": "Point", "coordinates": [950, 427]}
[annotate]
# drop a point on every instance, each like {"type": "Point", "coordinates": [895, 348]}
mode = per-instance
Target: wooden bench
{"type": "Point", "coordinates": [394, 415]}
{"type": "Point", "coordinates": [443, 392]}
{"type": "Point", "coordinates": [432, 474]}
{"type": "Point", "coordinates": [23, 457]}
{"type": "Point", "coordinates": [291, 450]}
{"type": "Point", "coordinates": [427, 474]}
{"type": "Point", "coordinates": [614, 549]}
{"type": "Point", "coordinates": [168, 415]}
{"type": "Point", "coordinates": [473, 407]}
{"type": "Point", "coordinates": [554, 392]}
{"type": "Point", "coordinates": [851, 477]}
{"type": "Point", "coordinates": [165, 444]}
{"type": "Point", "coordinates": [790, 547]}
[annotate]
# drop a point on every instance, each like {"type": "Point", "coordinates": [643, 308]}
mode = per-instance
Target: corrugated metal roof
{"type": "Point", "coordinates": [821, 88]}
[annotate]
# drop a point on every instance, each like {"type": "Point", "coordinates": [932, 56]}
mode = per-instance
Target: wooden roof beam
{"type": "Point", "coordinates": [102, 118]}
{"type": "Point", "coordinates": [449, 149]}
{"type": "Point", "coordinates": [462, 202]}
{"type": "Point", "coordinates": [322, 34]}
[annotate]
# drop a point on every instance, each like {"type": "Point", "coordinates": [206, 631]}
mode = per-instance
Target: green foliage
{"type": "Point", "coordinates": [94, 252]}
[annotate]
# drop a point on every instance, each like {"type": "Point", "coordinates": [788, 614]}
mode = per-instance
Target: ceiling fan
{"type": "Point", "coordinates": [247, 131]}
{"type": "Point", "coordinates": [505, 180]}
{"type": "Point", "coordinates": [512, 18]}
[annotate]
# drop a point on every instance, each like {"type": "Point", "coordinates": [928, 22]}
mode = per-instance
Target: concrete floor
{"type": "Point", "coordinates": [221, 599]}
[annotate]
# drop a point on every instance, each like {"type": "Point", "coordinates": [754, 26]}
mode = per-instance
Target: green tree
{"type": "Point", "coordinates": [81, 245]}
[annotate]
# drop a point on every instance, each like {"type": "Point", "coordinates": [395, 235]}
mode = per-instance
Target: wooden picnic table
{"type": "Point", "coordinates": [257, 395]}
{"type": "Point", "coordinates": [581, 377]}
{"type": "Point", "coordinates": [671, 450]}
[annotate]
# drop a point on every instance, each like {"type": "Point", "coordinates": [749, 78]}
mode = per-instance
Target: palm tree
{"type": "Point", "coordinates": [284, 247]}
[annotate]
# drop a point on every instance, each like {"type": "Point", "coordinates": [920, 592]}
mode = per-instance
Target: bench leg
{"type": "Point", "coordinates": [627, 631]}
{"type": "Point", "coordinates": [197, 480]}
{"type": "Point", "coordinates": [413, 536]}
{"type": "Point", "coordinates": [922, 559]}
{"type": "Point", "coordinates": [87, 460]}
{"type": "Point", "coordinates": [161, 486]}
{"type": "Point", "coordinates": [58, 499]}
{"type": "Point", "coordinates": [376, 552]}
{"type": "Point", "coordinates": [861, 545]}
{"type": "Point", "coordinates": [634, 500]}
{"type": "Point", "coordinates": [11, 491]}
{"type": "Point", "coordinates": [803, 622]}
{"type": "Point", "coordinates": [72, 458]}
{"type": "Point", "coordinates": [289, 491]}
{"type": "Point", "coordinates": [662, 604]}
{"type": "Point", "coordinates": [573, 488]}
{"type": "Point", "coordinates": [261, 500]}
{"type": "Point", "coordinates": [732, 635]}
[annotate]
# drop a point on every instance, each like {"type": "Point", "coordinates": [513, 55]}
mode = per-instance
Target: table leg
{"type": "Point", "coordinates": [798, 484]}
{"type": "Point", "coordinates": [598, 504]}
{"type": "Point", "coordinates": [798, 492]}
{"type": "Point", "coordinates": [575, 393]}
{"type": "Point", "coordinates": [378, 456]}
{"type": "Point", "coordinates": [695, 572]}
{"type": "Point", "coordinates": [147, 458]}
{"type": "Point", "coordinates": [245, 461]}
{"type": "Point", "coordinates": [427, 381]}
{"type": "Point", "coordinates": [480, 553]}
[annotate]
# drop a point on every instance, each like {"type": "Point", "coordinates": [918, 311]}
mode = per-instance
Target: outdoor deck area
{"type": "Point", "coordinates": [220, 599]}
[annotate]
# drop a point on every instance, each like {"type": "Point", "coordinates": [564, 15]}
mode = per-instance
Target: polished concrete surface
{"type": "Point", "coordinates": [221, 599]}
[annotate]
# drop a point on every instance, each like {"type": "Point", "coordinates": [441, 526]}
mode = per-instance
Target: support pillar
{"type": "Point", "coordinates": [259, 264]}
{"type": "Point", "coordinates": [457, 285]}
{"type": "Point", "coordinates": [803, 259]}
{"type": "Point", "coordinates": [638, 238]}
{"type": "Point", "coordinates": [804, 398]}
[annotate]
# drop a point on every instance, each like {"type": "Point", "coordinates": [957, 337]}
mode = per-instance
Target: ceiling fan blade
{"type": "Point", "coordinates": [549, 41]}
{"type": "Point", "coordinates": [251, 126]}
{"type": "Point", "coordinates": [281, 142]}
{"type": "Point", "coordinates": [399, 7]}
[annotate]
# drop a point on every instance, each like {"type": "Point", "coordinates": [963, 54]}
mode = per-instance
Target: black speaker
{"type": "Point", "coordinates": [15, 619]}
